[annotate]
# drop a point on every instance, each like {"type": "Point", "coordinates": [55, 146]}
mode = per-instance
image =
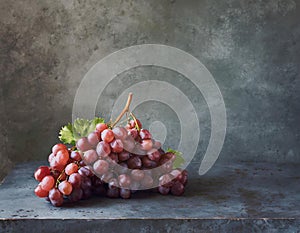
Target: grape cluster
{"type": "Point", "coordinates": [113, 162]}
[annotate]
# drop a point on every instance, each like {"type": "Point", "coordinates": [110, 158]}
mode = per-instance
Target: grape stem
{"type": "Point", "coordinates": [126, 109]}
{"type": "Point", "coordinates": [135, 121]}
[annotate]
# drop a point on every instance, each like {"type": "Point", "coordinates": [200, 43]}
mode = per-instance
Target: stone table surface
{"type": "Point", "coordinates": [240, 197]}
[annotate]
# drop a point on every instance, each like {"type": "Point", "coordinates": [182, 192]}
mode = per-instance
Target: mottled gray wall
{"type": "Point", "coordinates": [252, 49]}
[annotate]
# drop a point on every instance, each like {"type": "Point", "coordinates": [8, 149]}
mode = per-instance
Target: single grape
{"type": "Point", "coordinates": [163, 190]}
{"type": "Point", "coordinates": [107, 135]}
{"type": "Point", "coordinates": [177, 189]}
{"type": "Point", "coordinates": [116, 146]}
{"type": "Point", "coordinates": [90, 156]}
{"type": "Point", "coordinates": [125, 193]}
{"type": "Point", "coordinates": [83, 144]}
{"type": "Point", "coordinates": [124, 155]}
{"type": "Point", "coordinates": [56, 197]}
{"type": "Point", "coordinates": [147, 163]}
{"type": "Point", "coordinates": [146, 144]}
{"type": "Point", "coordinates": [41, 172]}
{"type": "Point", "coordinates": [137, 174]}
{"type": "Point", "coordinates": [76, 195]}
{"type": "Point", "coordinates": [129, 144]}
{"type": "Point", "coordinates": [176, 173]}
{"type": "Point", "coordinates": [134, 162]}
{"type": "Point", "coordinates": [166, 167]}
{"type": "Point", "coordinates": [75, 180]}
{"type": "Point", "coordinates": [41, 192]}
{"type": "Point", "coordinates": [101, 167]}
{"type": "Point", "coordinates": [58, 147]}
{"type": "Point", "coordinates": [124, 180]}
{"type": "Point", "coordinates": [93, 139]}
{"type": "Point", "coordinates": [145, 134]}
{"type": "Point", "coordinates": [85, 171]}
{"type": "Point", "coordinates": [100, 127]}
{"type": "Point", "coordinates": [47, 183]}
{"type": "Point", "coordinates": [62, 157]}
{"type": "Point", "coordinates": [65, 188]}
{"type": "Point", "coordinates": [120, 132]}
{"type": "Point", "coordinates": [75, 155]}
{"type": "Point", "coordinates": [103, 149]}
{"type": "Point", "coordinates": [71, 168]}
{"type": "Point", "coordinates": [153, 154]}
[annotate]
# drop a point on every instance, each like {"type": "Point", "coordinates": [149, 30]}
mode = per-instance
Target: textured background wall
{"type": "Point", "coordinates": [251, 47]}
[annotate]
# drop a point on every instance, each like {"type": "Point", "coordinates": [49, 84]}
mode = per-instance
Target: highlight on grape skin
{"type": "Point", "coordinates": [109, 160]}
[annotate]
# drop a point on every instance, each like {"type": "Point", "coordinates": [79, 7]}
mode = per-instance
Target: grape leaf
{"type": "Point", "coordinates": [70, 133]}
{"type": "Point", "coordinates": [66, 135]}
{"type": "Point", "coordinates": [179, 160]}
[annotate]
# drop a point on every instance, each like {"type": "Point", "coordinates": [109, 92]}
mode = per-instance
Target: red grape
{"type": "Point", "coordinates": [75, 180]}
{"type": "Point", "coordinates": [120, 132]}
{"type": "Point", "coordinates": [62, 157]}
{"type": "Point", "coordinates": [75, 155]}
{"type": "Point", "coordinates": [56, 198]}
{"type": "Point", "coordinates": [134, 162]}
{"type": "Point", "coordinates": [154, 155]}
{"type": "Point", "coordinates": [125, 193]}
{"type": "Point", "coordinates": [47, 183]}
{"type": "Point", "coordinates": [65, 188]}
{"type": "Point", "coordinates": [123, 156]}
{"type": "Point", "coordinates": [177, 189]}
{"type": "Point", "coordinates": [71, 168]}
{"type": "Point", "coordinates": [137, 174]}
{"type": "Point", "coordinates": [41, 172]}
{"type": "Point", "coordinates": [107, 135]}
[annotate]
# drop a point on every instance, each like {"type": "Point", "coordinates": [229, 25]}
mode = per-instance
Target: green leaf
{"type": "Point", "coordinates": [179, 160]}
{"type": "Point", "coordinates": [69, 134]}
{"type": "Point", "coordinates": [66, 135]}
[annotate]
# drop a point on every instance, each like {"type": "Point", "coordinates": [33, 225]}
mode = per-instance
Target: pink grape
{"type": "Point", "coordinates": [93, 139]}
{"type": "Point", "coordinates": [101, 167]}
{"type": "Point", "coordinates": [83, 144]}
{"type": "Point", "coordinates": [75, 155]}
{"type": "Point", "coordinates": [116, 145]}
{"type": "Point", "coordinates": [90, 156]}
{"type": "Point", "coordinates": [103, 149]}
{"type": "Point", "coordinates": [124, 181]}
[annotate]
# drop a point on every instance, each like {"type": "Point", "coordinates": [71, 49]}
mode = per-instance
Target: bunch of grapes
{"type": "Point", "coordinates": [110, 161]}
